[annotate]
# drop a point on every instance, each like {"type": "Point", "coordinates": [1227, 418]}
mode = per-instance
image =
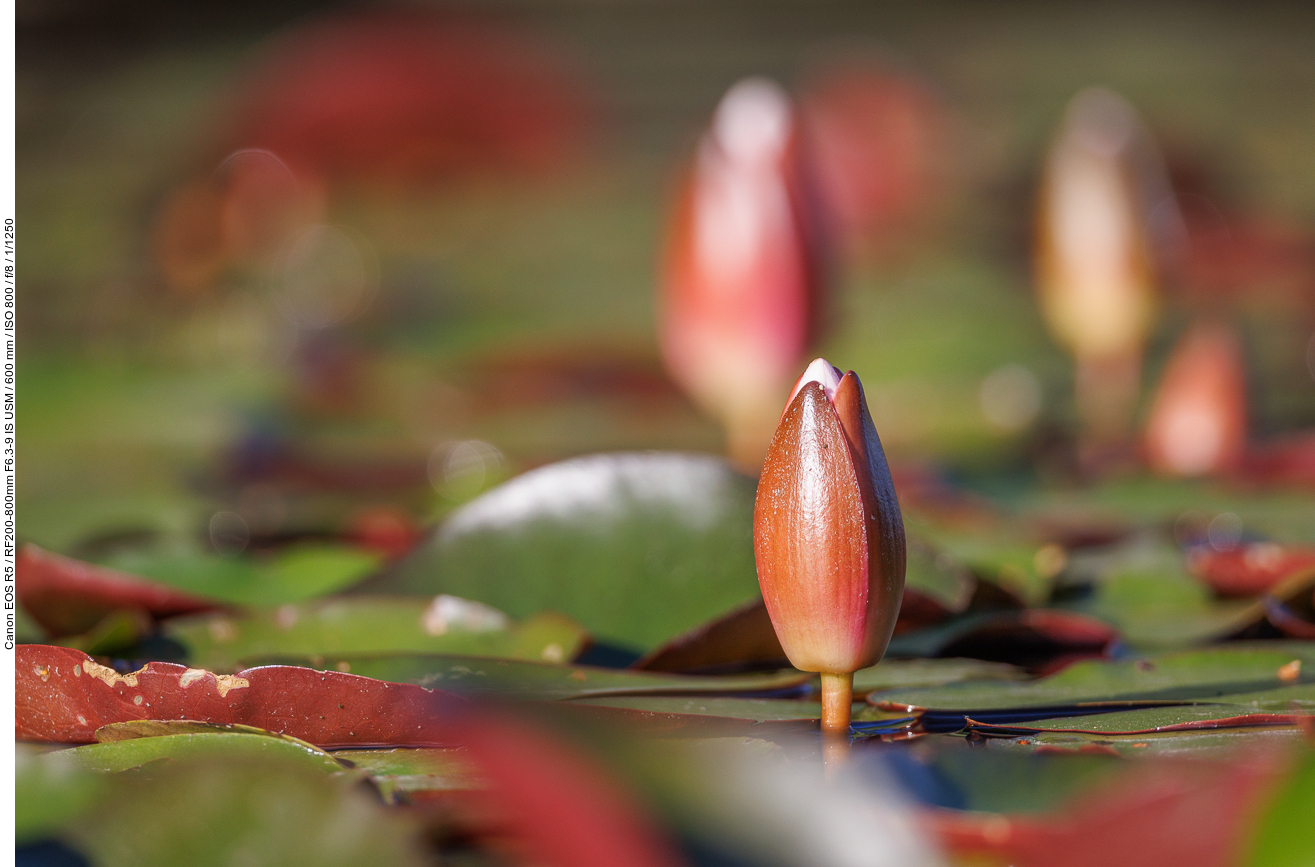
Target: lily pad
{"type": "Point", "coordinates": [243, 810]}
{"type": "Point", "coordinates": [50, 790]}
{"type": "Point", "coordinates": [1285, 835]}
{"type": "Point", "coordinates": [636, 547]}
{"type": "Point", "coordinates": [895, 673]}
{"type": "Point", "coordinates": [399, 774]}
{"type": "Point", "coordinates": [365, 625]}
{"type": "Point", "coordinates": [123, 755]}
{"type": "Point", "coordinates": [1206, 674]}
{"type": "Point", "coordinates": [297, 572]}
{"type": "Point", "coordinates": [476, 676]}
{"type": "Point", "coordinates": [62, 695]}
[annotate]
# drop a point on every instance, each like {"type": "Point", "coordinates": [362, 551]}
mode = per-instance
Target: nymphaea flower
{"type": "Point", "coordinates": [741, 276]}
{"type": "Point", "coordinates": [828, 536]}
{"type": "Point", "coordinates": [1198, 425]}
{"type": "Point", "coordinates": [1107, 221]}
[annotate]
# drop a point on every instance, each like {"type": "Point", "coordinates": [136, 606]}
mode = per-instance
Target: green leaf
{"type": "Point", "coordinates": [295, 573]}
{"type": "Point", "coordinates": [636, 547]}
{"type": "Point", "coordinates": [134, 752]}
{"type": "Point", "coordinates": [1200, 674]}
{"type": "Point", "coordinates": [399, 772]}
{"type": "Point", "coordinates": [544, 681]}
{"type": "Point", "coordinates": [50, 790]}
{"type": "Point", "coordinates": [895, 673]}
{"type": "Point", "coordinates": [222, 810]}
{"type": "Point", "coordinates": [753, 709]}
{"type": "Point", "coordinates": [351, 625]}
{"type": "Point", "coordinates": [1285, 834]}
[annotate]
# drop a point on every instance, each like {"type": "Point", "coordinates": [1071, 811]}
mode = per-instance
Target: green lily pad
{"type": "Point", "coordinates": [399, 772]}
{"type": "Point", "coordinates": [295, 573]}
{"type": "Point", "coordinates": [51, 789]}
{"type": "Point", "coordinates": [1015, 782]}
{"type": "Point", "coordinates": [368, 625]}
{"type": "Point", "coordinates": [1285, 834]}
{"type": "Point", "coordinates": [122, 755]}
{"type": "Point", "coordinates": [636, 547]}
{"type": "Point", "coordinates": [897, 673]}
{"type": "Point", "coordinates": [991, 556]}
{"type": "Point", "coordinates": [221, 810]}
{"type": "Point", "coordinates": [752, 709]}
{"type": "Point", "coordinates": [1206, 674]}
{"type": "Point", "coordinates": [1201, 742]}
{"type": "Point", "coordinates": [1284, 700]}
{"type": "Point", "coordinates": [544, 681]}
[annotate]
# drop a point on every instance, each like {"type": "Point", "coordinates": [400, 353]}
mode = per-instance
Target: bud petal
{"type": "Point", "coordinates": [828, 536]}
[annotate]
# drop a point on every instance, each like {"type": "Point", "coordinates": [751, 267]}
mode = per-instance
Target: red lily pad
{"type": "Point", "coordinates": [63, 695]}
{"type": "Point", "coordinates": [68, 596]}
{"type": "Point", "coordinates": [1162, 812]}
{"type": "Point", "coordinates": [1249, 570]}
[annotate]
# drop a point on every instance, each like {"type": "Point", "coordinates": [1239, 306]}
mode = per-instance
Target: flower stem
{"type": "Point", "coordinates": [837, 698]}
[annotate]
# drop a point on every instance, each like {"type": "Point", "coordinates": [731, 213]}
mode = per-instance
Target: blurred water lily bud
{"type": "Point", "coordinates": [1198, 423]}
{"type": "Point", "coordinates": [1104, 222]}
{"type": "Point", "coordinates": [877, 146]}
{"type": "Point", "coordinates": [828, 535]}
{"type": "Point", "coordinates": [741, 280]}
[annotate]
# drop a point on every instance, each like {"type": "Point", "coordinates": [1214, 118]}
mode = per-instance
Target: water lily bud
{"type": "Point", "coordinates": [1106, 218]}
{"type": "Point", "coordinates": [828, 535]}
{"type": "Point", "coordinates": [1197, 424]}
{"type": "Point", "coordinates": [741, 278]}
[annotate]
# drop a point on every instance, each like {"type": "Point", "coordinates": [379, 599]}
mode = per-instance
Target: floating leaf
{"type": "Point", "coordinates": [636, 547]}
{"type": "Point", "coordinates": [365, 625]}
{"type": "Point", "coordinates": [50, 790]}
{"type": "Point", "coordinates": [222, 810]}
{"type": "Point", "coordinates": [63, 695]}
{"type": "Point", "coordinates": [1285, 835]}
{"type": "Point", "coordinates": [935, 588]}
{"type": "Point", "coordinates": [1205, 674]}
{"type": "Point", "coordinates": [894, 673]}
{"type": "Point", "coordinates": [301, 571]}
{"type": "Point", "coordinates": [401, 773]}
{"type": "Point", "coordinates": [1156, 812]}
{"type": "Point", "coordinates": [121, 755]}
{"type": "Point", "coordinates": [67, 597]}
{"type": "Point", "coordinates": [1249, 570]}
{"type": "Point", "coordinates": [1042, 640]}
{"type": "Point", "coordinates": [476, 676]}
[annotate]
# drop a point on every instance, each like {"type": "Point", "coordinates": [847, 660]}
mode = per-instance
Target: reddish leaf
{"type": "Point", "coordinates": [745, 638]}
{"type": "Point", "coordinates": [63, 695]}
{"type": "Point", "coordinates": [1163, 812]}
{"type": "Point", "coordinates": [1248, 570]}
{"type": "Point", "coordinates": [68, 597]}
{"type": "Point", "coordinates": [388, 530]}
{"type": "Point", "coordinates": [556, 806]}
{"type": "Point", "coordinates": [1043, 640]}
{"type": "Point", "coordinates": [1289, 462]}
{"type": "Point", "coordinates": [411, 96]}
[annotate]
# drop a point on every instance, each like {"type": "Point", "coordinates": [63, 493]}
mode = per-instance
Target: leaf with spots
{"type": "Point", "coordinates": [63, 695]}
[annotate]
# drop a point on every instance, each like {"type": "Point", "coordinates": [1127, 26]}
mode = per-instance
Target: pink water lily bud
{"type": "Point", "coordinates": [741, 276]}
{"type": "Point", "coordinates": [1197, 424]}
{"type": "Point", "coordinates": [828, 534]}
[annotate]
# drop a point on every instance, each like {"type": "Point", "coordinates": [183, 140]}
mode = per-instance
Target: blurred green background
{"type": "Point", "coordinates": [521, 314]}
